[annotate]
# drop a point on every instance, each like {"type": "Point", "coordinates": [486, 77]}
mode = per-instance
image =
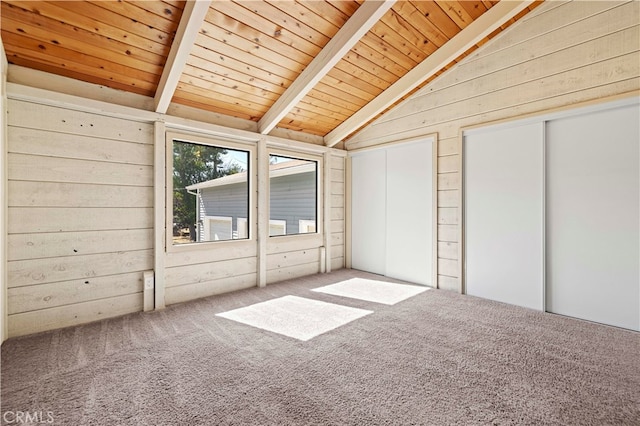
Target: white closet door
{"type": "Point", "coordinates": [409, 212]}
{"type": "Point", "coordinates": [593, 245]}
{"type": "Point", "coordinates": [504, 214]}
{"type": "Point", "coordinates": [391, 211]}
{"type": "Point", "coordinates": [368, 211]}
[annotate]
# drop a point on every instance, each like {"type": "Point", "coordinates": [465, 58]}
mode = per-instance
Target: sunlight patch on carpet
{"type": "Point", "coordinates": [295, 317]}
{"type": "Point", "coordinates": [372, 291]}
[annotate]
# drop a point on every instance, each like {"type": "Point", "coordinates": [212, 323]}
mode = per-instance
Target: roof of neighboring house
{"type": "Point", "coordinates": [285, 168]}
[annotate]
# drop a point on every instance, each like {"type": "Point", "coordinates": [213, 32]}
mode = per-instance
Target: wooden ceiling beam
{"type": "Point", "coordinates": [3, 57]}
{"type": "Point", "coordinates": [465, 39]}
{"type": "Point", "coordinates": [191, 21]}
{"type": "Point", "coordinates": [366, 16]}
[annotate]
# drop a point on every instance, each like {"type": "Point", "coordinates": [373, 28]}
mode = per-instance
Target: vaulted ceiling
{"type": "Point", "coordinates": [324, 68]}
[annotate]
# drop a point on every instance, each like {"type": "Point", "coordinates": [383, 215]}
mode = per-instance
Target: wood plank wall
{"type": "Point", "coordinates": [80, 233]}
{"type": "Point", "coordinates": [3, 194]}
{"type": "Point", "coordinates": [80, 207]}
{"type": "Point", "coordinates": [337, 212]}
{"type": "Point", "coordinates": [205, 271]}
{"type": "Point", "coordinates": [562, 53]}
{"type": "Point", "coordinates": [81, 224]}
{"type": "Point", "coordinates": [290, 257]}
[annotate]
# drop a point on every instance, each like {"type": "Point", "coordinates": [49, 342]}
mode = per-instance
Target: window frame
{"type": "Point", "coordinates": [319, 160]}
{"type": "Point", "coordinates": [215, 142]}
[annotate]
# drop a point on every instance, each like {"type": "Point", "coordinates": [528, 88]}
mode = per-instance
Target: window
{"type": "Point", "coordinates": [277, 227]}
{"type": "Point", "coordinates": [217, 228]}
{"type": "Point", "coordinates": [242, 228]}
{"type": "Point", "coordinates": [305, 226]}
{"type": "Point", "coordinates": [210, 197]}
{"type": "Point", "coordinates": [292, 195]}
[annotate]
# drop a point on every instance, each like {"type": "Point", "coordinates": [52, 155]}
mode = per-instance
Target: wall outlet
{"type": "Point", "coordinates": [148, 280]}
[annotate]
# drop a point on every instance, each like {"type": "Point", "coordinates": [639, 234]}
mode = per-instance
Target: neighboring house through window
{"type": "Point", "coordinates": [210, 193]}
{"type": "Point", "coordinates": [292, 195]}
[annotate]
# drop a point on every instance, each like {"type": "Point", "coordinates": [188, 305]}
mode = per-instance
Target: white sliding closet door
{"type": "Point", "coordinates": [409, 212]}
{"type": "Point", "coordinates": [504, 214]}
{"type": "Point", "coordinates": [368, 211]}
{"type": "Point", "coordinates": [593, 215]}
{"type": "Point", "coordinates": [392, 211]}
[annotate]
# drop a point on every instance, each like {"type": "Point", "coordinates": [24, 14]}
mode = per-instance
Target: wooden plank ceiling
{"type": "Point", "coordinates": [239, 58]}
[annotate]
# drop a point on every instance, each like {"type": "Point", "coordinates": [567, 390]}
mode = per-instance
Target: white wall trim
{"type": "Point", "coordinates": [347, 211]}
{"type": "Point", "coordinates": [263, 210]}
{"type": "Point", "coordinates": [159, 211]}
{"type": "Point", "coordinates": [4, 309]}
{"type": "Point", "coordinates": [327, 210]}
{"type": "Point", "coordinates": [434, 210]}
{"type": "Point", "coordinates": [461, 215]}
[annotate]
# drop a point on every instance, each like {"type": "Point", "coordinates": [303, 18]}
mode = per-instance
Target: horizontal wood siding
{"type": "Point", "coordinates": [3, 194]}
{"type": "Point", "coordinates": [80, 207]}
{"type": "Point", "coordinates": [211, 271]}
{"type": "Point", "coordinates": [337, 212]}
{"type": "Point", "coordinates": [207, 269]}
{"type": "Point", "coordinates": [561, 54]}
{"type": "Point", "coordinates": [293, 256]}
{"type": "Point", "coordinates": [184, 293]}
{"type": "Point", "coordinates": [81, 216]}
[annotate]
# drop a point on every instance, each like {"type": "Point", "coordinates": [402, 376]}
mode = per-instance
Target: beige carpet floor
{"type": "Point", "coordinates": [436, 358]}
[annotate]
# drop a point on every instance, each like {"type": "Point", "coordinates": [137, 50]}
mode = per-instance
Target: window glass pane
{"type": "Point", "coordinates": [292, 196]}
{"type": "Point", "coordinates": [210, 193]}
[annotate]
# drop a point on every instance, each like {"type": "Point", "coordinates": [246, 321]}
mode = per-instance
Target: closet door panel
{"type": "Point", "coordinates": [410, 212]}
{"type": "Point", "coordinates": [593, 245]}
{"type": "Point", "coordinates": [368, 211]}
{"type": "Point", "coordinates": [504, 214]}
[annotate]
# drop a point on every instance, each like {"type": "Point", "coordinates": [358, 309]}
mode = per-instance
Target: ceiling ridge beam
{"type": "Point", "coordinates": [459, 44]}
{"type": "Point", "coordinates": [191, 21]}
{"type": "Point", "coordinates": [351, 32]}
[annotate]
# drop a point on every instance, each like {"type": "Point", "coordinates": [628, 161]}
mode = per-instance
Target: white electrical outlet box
{"type": "Point", "coordinates": [148, 280]}
{"type": "Point", "coordinates": [148, 290]}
